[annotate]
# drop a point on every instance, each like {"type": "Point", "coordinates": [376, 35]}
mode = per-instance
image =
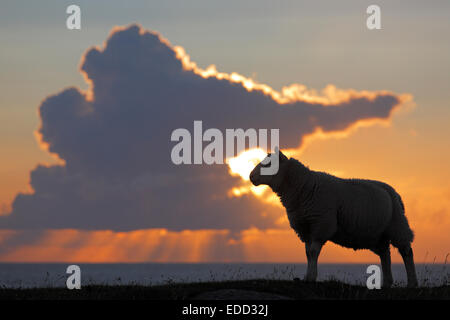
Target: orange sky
{"type": "Point", "coordinates": [378, 152]}
{"type": "Point", "coordinates": [426, 202]}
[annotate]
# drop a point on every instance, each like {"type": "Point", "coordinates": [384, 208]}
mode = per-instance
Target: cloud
{"type": "Point", "coordinates": [114, 140]}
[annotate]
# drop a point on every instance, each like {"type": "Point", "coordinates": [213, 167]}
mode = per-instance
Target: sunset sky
{"type": "Point", "coordinates": [366, 104]}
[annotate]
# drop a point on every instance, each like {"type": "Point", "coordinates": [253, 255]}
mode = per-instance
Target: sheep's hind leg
{"type": "Point", "coordinates": [408, 258]}
{"type": "Point", "coordinates": [385, 257]}
{"type": "Point", "coordinates": [312, 253]}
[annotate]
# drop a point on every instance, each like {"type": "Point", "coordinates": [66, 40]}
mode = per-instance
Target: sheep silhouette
{"type": "Point", "coordinates": [353, 213]}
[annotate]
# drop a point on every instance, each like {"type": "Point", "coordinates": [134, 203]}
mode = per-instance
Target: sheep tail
{"type": "Point", "coordinates": [399, 230]}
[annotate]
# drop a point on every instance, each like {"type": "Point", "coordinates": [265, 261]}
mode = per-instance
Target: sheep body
{"type": "Point", "coordinates": [353, 213]}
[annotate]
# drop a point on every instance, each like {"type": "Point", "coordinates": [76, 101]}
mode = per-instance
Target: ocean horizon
{"type": "Point", "coordinates": [29, 275]}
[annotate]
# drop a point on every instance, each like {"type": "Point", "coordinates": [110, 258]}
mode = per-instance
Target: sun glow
{"type": "Point", "coordinates": [244, 163]}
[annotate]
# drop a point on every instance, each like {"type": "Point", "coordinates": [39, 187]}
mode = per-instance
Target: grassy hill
{"type": "Point", "coordinates": [234, 290]}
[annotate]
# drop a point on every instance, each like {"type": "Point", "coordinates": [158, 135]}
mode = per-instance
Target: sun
{"type": "Point", "coordinates": [244, 163]}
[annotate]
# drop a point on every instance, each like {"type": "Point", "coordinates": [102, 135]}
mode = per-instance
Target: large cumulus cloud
{"type": "Point", "coordinates": [115, 142]}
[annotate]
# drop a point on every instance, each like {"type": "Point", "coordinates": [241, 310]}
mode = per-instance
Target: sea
{"type": "Point", "coordinates": [28, 275]}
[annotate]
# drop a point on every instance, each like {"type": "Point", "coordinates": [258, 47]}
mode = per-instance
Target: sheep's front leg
{"type": "Point", "coordinates": [312, 253]}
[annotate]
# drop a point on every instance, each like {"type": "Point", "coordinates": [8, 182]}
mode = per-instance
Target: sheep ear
{"type": "Point", "coordinates": [282, 156]}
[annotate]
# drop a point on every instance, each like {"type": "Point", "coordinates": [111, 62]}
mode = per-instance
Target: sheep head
{"type": "Point", "coordinates": [261, 174]}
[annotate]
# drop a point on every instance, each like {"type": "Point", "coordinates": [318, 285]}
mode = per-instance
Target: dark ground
{"type": "Point", "coordinates": [230, 290]}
